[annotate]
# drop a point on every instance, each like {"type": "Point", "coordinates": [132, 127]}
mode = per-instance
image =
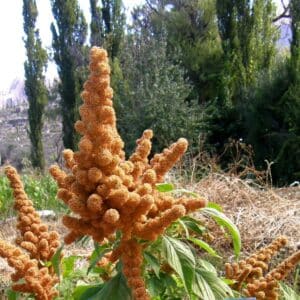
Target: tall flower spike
{"type": "Point", "coordinates": [251, 273]}
{"type": "Point", "coordinates": [140, 157]}
{"type": "Point", "coordinates": [39, 245]}
{"type": "Point", "coordinates": [34, 235]}
{"type": "Point", "coordinates": [108, 193]}
{"type": "Point", "coordinates": [284, 268]}
{"type": "Point", "coordinates": [37, 280]}
{"type": "Point", "coordinates": [253, 267]}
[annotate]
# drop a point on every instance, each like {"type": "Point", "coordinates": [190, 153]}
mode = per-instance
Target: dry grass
{"type": "Point", "coordinates": [260, 213]}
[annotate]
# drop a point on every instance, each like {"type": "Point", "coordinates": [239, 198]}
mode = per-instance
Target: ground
{"type": "Point", "coordinates": [260, 213]}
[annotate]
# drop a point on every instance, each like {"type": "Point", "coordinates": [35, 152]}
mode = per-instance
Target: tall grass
{"type": "Point", "coordinates": [40, 189]}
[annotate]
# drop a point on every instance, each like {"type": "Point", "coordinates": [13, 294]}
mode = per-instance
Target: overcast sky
{"type": "Point", "coordinates": [12, 52]}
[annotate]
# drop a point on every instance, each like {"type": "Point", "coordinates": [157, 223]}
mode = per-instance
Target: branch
{"type": "Point", "coordinates": [285, 7]}
{"type": "Point", "coordinates": [284, 14]}
{"type": "Point", "coordinates": [151, 7]}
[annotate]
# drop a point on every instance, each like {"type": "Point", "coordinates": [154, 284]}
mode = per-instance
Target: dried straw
{"type": "Point", "coordinates": [260, 213]}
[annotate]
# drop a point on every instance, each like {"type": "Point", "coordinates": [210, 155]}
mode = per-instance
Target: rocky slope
{"type": "Point", "coordinates": [14, 140]}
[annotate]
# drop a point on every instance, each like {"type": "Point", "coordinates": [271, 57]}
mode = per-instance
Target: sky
{"type": "Point", "coordinates": [12, 51]}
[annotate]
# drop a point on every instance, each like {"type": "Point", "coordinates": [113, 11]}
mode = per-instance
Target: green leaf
{"type": "Point", "coordinates": [288, 293]}
{"type": "Point", "coordinates": [209, 286]}
{"type": "Point", "coordinates": [56, 259]}
{"type": "Point", "coordinates": [68, 264]}
{"type": "Point", "coordinates": [12, 295]}
{"type": "Point", "coordinates": [97, 254]}
{"type": "Point", "coordinates": [169, 281]}
{"type": "Point", "coordinates": [82, 292]}
{"type": "Point", "coordinates": [164, 187]}
{"type": "Point", "coordinates": [114, 289]}
{"type": "Point", "coordinates": [180, 257]}
{"type": "Point", "coordinates": [224, 221]}
{"type": "Point", "coordinates": [47, 264]}
{"type": "Point", "coordinates": [204, 264]}
{"type": "Point", "coordinates": [193, 224]}
{"type": "Point", "coordinates": [203, 245]}
{"type": "Point", "coordinates": [164, 286]}
{"type": "Point", "coordinates": [153, 262]}
{"type": "Point", "coordinates": [155, 286]}
{"type": "Point", "coordinates": [215, 206]}
{"type": "Point", "coordinates": [202, 289]}
{"type": "Point", "coordinates": [180, 222]}
{"type": "Point", "coordinates": [228, 281]}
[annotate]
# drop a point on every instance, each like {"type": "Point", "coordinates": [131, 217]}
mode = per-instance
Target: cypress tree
{"type": "Point", "coordinates": [114, 20]}
{"type": "Point", "coordinates": [69, 34]}
{"type": "Point", "coordinates": [272, 116]}
{"type": "Point", "coordinates": [294, 68]}
{"type": "Point", "coordinates": [248, 40]}
{"type": "Point", "coordinates": [34, 82]}
{"type": "Point", "coordinates": [97, 34]}
{"type": "Point", "coordinates": [295, 42]}
{"type": "Point", "coordinates": [192, 40]}
{"type": "Point", "coordinates": [107, 25]}
{"type": "Point", "coordinates": [248, 37]}
{"type": "Point", "coordinates": [287, 165]}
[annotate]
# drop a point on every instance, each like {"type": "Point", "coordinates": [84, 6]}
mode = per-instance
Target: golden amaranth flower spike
{"type": "Point", "coordinates": [267, 288]}
{"type": "Point", "coordinates": [108, 193]}
{"type": "Point", "coordinates": [36, 245]}
{"type": "Point", "coordinates": [251, 275]}
{"type": "Point", "coordinates": [253, 267]}
{"type": "Point", "coordinates": [34, 235]}
{"type": "Point", "coordinates": [37, 280]}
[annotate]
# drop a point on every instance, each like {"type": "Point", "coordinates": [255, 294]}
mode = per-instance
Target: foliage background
{"type": "Point", "coordinates": [212, 71]}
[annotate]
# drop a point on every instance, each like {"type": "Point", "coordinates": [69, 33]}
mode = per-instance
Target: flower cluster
{"type": "Point", "coordinates": [39, 245]}
{"type": "Point", "coordinates": [37, 280]}
{"type": "Point", "coordinates": [109, 193]}
{"type": "Point", "coordinates": [246, 271]}
{"type": "Point", "coordinates": [34, 235]}
{"type": "Point", "coordinates": [252, 272]}
{"type": "Point", "coordinates": [267, 287]}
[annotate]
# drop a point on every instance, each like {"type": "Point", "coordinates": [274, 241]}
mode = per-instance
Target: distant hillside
{"type": "Point", "coordinates": [15, 96]}
{"type": "Point", "coordinates": [14, 140]}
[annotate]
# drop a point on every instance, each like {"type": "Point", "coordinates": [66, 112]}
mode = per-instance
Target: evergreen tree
{"type": "Point", "coordinates": [97, 32]}
{"type": "Point", "coordinates": [107, 25]}
{"type": "Point", "coordinates": [295, 42]}
{"type": "Point", "coordinates": [34, 82]}
{"type": "Point", "coordinates": [69, 35]}
{"type": "Point", "coordinates": [272, 116]}
{"type": "Point", "coordinates": [155, 89]}
{"type": "Point", "coordinates": [114, 23]}
{"type": "Point", "coordinates": [249, 46]}
{"type": "Point", "coordinates": [287, 163]}
{"type": "Point", "coordinates": [248, 40]}
{"type": "Point", "coordinates": [264, 37]}
{"type": "Point", "coordinates": [193, 39]}
{"type": "Point", "coordinates": [294, 70]}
